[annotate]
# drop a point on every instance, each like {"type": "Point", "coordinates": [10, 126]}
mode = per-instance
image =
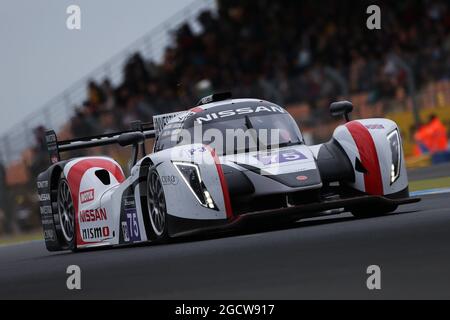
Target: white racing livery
{"type": "Point", "coordinates": [212, 183]}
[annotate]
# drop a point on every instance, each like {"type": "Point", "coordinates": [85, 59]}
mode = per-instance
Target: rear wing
{"type": "Point", "coordinates": [136, 136]}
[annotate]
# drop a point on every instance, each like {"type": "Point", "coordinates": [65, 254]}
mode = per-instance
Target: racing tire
{"type": "Point", "coordinates": [157, 209]}
{"type": "Point", "coordinates": [65, 218]}
{"type": "Point", "coordinates": [376, 211]}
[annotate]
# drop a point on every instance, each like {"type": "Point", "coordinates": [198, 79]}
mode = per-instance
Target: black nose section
{"type": "Point", "coordinates": [238, 183]}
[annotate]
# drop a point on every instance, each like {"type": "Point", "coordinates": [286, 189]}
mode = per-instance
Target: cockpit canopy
{"type": "Point", "coordinates": [234, 127]}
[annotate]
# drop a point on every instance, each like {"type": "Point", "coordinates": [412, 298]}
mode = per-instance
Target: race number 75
{"type": "Point", "coordinates": [133, 223]}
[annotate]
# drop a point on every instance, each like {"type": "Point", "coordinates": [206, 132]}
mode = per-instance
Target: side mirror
{"type": "Point", "coordinates": [130, 138]}
{"type": "Point", "coordinates": [341, 108]}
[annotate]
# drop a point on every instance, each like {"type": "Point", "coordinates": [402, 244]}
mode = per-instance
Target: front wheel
{"type": "Point", "coordinates": [157, 208]}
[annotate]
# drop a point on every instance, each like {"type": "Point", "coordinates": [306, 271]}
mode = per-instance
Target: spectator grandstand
{"type": "Point", "coordinates": [300, 54]}
{"type": "Point", "coordinates": [284, 51]}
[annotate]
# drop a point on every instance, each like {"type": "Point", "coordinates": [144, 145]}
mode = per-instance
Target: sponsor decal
{"type": "Point", "coordinates": [169, 180]}
{"type": "Point", "coordinates": [44, 197]}
{"type": "Point", "coordinates": [133, 225]}
{"type": "Point", "coordinates": [301, 178]}
{"type": "Point", "coordinates": [42, 184]}
{"type": "Point", "coordinates": [374, 126]}
{"type": "Point", "coordinates": [87, 196]}
{"type": "Point", "coordinates": [233, 112]}
{"type": "Point", "coordinates": [47, 221]}
{"type": "Point", "coordinates": [95, 233]}
{"type": "Point", "coordinates": [130, 227]}
{"type": "Point", "coordinates": [125, 231]}
{"type": "Point", "coordinates": [162, 120]}
{"type": "Point", "coordinates": [129, 202]}
{"type": "Point", "coordinates": [195, 150]}
{"type": "Point", "coordinates": [45, 210]}
{"type": "Point", "coordinates": [280, 157]}
{"type": "Point", "coordinates": [49, 235]}
{"type": "Point", "coordinates": [50, 138]}
{"type": "Point", "coordinates": [93, 215]}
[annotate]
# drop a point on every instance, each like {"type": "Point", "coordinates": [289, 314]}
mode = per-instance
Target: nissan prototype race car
{"type": "Point", "coordinates": [186, 186]}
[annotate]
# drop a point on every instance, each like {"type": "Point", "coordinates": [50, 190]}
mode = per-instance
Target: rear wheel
{"type": "Point", "coordinates": [157, 208]}
{"type": "Point", "coordinates": [66, 213]}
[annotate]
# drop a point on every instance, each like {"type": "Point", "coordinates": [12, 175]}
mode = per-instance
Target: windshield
{"type": "Point", "coordinates": [247, 133]}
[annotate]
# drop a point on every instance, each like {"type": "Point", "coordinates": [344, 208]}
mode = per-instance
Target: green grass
{"type": "Point", "coordinates": [36, 235]}
{"type": "Point", "coordinates": [429, 184]}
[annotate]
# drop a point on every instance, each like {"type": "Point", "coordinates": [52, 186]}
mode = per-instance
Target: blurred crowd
{"type": "Point", "coordinates": [285, 51]}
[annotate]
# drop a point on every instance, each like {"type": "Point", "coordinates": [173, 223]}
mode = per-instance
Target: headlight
{"type": "Point", "coordinates": [394, 143]}
{"type": "Point", "coordinates": [191, 176]}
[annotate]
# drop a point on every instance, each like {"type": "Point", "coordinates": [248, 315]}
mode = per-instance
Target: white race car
{"type": "Point", "coordinates": [186, 186]}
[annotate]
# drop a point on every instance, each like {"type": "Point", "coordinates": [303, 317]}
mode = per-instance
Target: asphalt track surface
{"type": "Point", "coordinates": [322, 258]}
{"type": "Point", "coordinates": [432, 172]}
